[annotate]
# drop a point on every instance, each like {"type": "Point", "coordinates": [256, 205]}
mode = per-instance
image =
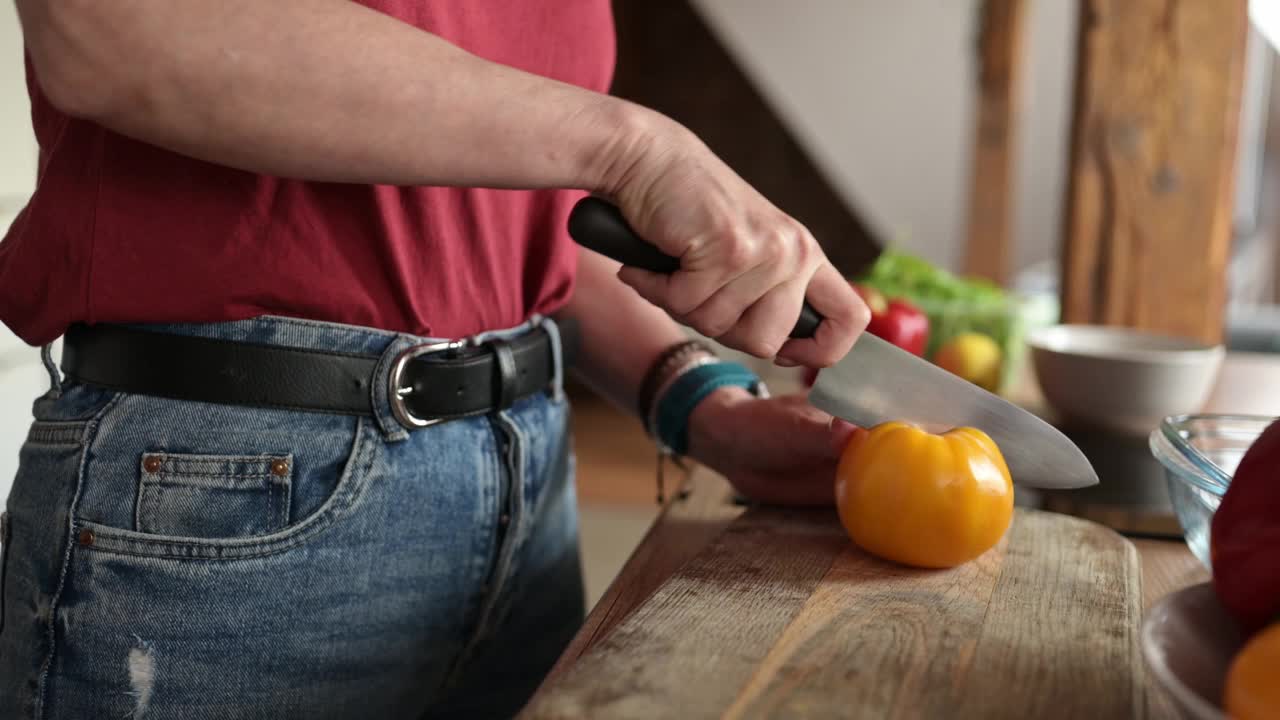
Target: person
{"type": "Point", "coordinates": [306, 451]}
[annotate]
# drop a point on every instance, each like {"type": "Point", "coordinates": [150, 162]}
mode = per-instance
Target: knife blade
{"type": "Point", "coordinates": [878, 381]}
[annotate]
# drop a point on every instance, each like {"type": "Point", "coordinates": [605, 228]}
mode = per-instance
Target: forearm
{"type": "Point", "coordinates": [622, 333]}
{"type": "Point", "coordinates": [622, 336]}
{"type": "Point", "coordinates": [323, 90]}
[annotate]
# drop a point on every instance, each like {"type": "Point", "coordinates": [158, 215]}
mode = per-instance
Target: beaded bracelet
{"type": "Point", "coordinates": [663, 390]}
{"type": "Point", "coordinates": [670, 424]}
{"type": "Point", "coordinates": [660, 370]}
{"type": "Point", "coordinates": [677, 380]}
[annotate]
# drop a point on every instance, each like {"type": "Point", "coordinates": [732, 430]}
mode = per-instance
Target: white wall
{"type": "Point", "coordinates": [21, 375]}
{"type": "Point", "coordinates": [882, 94]}
{"type": "Point", "coordinates": [17, 146]}
{"type": "Point", "coordinates": [877, 91]}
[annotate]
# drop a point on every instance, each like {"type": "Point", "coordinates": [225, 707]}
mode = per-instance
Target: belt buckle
{"type": "Point", "coordinates": [398, 393]}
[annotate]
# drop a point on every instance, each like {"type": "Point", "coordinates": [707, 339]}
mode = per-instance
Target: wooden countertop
{"type": "Point", "coordinates": [704, 507]}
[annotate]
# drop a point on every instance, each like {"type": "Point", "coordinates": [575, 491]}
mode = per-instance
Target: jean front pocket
{"type": "Point", "coordinates": [179, 479]}
{"type": "Point", "coordinates": [213, 496]}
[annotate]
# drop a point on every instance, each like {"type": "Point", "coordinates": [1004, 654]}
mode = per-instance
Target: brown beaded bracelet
{"type": "Point", "coordinates": [670, 358]}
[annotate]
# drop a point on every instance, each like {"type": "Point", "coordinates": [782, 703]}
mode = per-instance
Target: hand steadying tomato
{"type": "Point", "coordinates": [923, 499]}
{"type": "Point", "coordinates": [1244, 536]}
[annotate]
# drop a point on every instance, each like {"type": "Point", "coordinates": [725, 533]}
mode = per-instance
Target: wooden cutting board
{"type": "Point", "coordinates": [782, 616]}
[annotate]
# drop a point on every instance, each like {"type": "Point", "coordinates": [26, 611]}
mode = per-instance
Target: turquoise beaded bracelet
{"type": "Point", "coordinates": [672, 411]}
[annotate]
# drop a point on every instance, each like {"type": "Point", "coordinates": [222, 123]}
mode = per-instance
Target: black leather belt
{"type": "Point", "coordinates": [428, 383]}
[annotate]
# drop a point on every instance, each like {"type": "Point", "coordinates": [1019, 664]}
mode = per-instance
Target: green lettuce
{"type": "Point", "coordinates": [953, 304]}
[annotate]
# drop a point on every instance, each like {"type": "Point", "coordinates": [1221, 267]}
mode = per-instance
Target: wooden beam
{"type": "Point", "coordinates": [989, 249]}
{"type": "Point", "coordinates": [1151, 184]}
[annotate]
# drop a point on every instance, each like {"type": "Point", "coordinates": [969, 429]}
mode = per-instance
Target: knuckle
{"type": "Point", "coordinates": [679, 308]}
{"type": "Point", "coordinates": [715, 325]}
{"type": "Point", "coordinates": [777, 248]}
{"type": "Point", "coordinates": [739, 253]}
{"type": "Point", "coordinates": [682, 303]}
{"type": "Point", "coordinates": [859, 314]}
{"type": "Point", "coordinates": [763, 347]}
{"type": "Point", "coordinates": [684, 311]}
{"type": "Point", "coordinates": [807, 250]}
{"type": "Point", "coordinates": [718, 330]}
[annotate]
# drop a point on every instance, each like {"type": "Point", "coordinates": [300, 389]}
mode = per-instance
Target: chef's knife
{"type": "Point", "coordinates": [877, 381]}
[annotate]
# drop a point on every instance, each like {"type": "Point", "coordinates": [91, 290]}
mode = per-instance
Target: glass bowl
{"type": "Point", "coordinates": [1200, 454]}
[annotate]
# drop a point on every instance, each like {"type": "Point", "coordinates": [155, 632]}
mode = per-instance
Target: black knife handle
{"type": "Point", "coordinates": [598, 225]}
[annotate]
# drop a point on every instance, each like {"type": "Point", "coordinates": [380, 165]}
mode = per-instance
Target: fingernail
{"type": "Point", "coordinates": [783, 362]}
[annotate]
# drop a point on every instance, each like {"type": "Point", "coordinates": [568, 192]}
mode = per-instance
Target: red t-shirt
{"type": "Point", "coordinates": [122, 231]}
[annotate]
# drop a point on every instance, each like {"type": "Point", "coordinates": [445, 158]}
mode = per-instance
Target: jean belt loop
{"type": "Point", "coordinates": [552, 330]}
{"type": "Point", "coordinates": [55, 377]}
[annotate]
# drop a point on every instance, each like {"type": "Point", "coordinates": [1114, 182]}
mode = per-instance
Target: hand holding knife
{"type": "Point", "coordinates": [876, 381]}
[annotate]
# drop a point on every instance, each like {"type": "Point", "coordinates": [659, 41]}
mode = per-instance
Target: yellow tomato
{"type": "Point", "coordinates": [974, 357]}
{"type": "Point", "coordinates": [924, 499]}
{"type": "Point", "coordinates": [1252, 690]}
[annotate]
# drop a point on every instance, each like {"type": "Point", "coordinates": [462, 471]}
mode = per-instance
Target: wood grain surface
{"type": "Point", "coordinates": [781, 616]}
{"type": "Point", "coordinates": [1167, 566]}
{"type": "Point", "coordinates": [989, 247]}
{"type": "Point", "coordinates": [693, 517]}
{"type": "Point", "coordinates": [1151, 185]}
{"type": "Point", "coordinates": [688, 649]}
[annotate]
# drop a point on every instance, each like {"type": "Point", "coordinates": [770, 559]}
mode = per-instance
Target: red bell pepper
{"type": "Point", "coordinates": [1244, 536]}
{"type": "Point", "coordinates": [903, 325]}
{"type": "Point", "coordinates": [896, 320]}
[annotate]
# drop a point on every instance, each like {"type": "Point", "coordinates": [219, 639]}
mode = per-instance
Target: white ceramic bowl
{"type": "Point", "coordinates": [1188, 641]}
{"type": "Point", "coordinates": [1122, 379]}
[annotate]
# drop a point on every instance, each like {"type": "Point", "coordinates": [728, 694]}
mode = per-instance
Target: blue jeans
{"type": "Point", "coordinates": [174, 559]}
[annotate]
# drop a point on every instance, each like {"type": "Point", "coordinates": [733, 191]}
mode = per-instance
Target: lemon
{"type": "Point", "coordinates": [974, 357]}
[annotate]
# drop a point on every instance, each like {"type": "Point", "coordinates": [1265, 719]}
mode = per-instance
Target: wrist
{"type": "Point", "coordinates": [709, 429]}
{"type": "Point", "coordinates": [697, 385]}
{"type": "Point", "coordinates": [635, 136]}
